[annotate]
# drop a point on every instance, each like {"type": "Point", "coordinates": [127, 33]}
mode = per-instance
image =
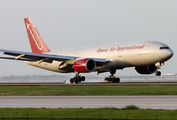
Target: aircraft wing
{"type": "Point", "coordinates": [27, 56]}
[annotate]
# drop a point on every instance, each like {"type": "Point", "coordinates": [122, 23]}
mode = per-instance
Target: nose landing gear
{"type": "Point", "coordinates": [158, 65]}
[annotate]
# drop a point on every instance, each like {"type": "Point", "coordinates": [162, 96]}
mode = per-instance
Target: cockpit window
{"type": "Point", "coordinates": [161, 48]}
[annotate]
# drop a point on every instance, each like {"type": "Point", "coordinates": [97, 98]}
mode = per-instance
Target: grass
{"type": "Point", "coordinates": [107, 113]}
{"type": "Point", "coordinates": [87, 90]}
{"type": "Point", "coordinates": [130, 112]}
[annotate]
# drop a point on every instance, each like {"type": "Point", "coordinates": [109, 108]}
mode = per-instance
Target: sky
{"type": "Point", "coordinates": [79, 23]}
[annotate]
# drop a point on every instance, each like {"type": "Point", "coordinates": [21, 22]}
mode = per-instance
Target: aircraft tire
{"type": "Point", "coordinates": [71, 80]}
{"type": "Point", "coordinates": [111, 80]}
{"type": "Point", "coordinates": [158, 73]}
{"type": "Point", "coordinates": [118, 80]}
{"type": "Point", "coordinates": [82, 78]}
{"type": "Point", "coordinates": [115, 80]}
{"type": "Point", "coordinates": [106, 79]}
{"type": "Point", "coordinates": [76, 79]}
{"type": "Point", "coordinates": [79, 79]}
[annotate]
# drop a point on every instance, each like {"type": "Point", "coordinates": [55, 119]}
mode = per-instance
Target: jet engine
{"type": "Point", "coordinates": [84, 65]}
{"type": "Point", "coordinates": [149, 69]}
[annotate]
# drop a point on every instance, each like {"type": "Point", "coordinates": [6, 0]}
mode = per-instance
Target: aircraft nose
{"type": "Point", "coordinates": [166, 54]}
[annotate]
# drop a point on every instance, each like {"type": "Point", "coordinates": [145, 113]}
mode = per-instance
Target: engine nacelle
{"type": "Point", "coordinates": [149, 69]}
{"type": "Point", "coordinates": [84, 65]}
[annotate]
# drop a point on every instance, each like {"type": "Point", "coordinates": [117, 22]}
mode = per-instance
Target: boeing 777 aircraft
{"type": "Point", "coordinates": [147, 57]}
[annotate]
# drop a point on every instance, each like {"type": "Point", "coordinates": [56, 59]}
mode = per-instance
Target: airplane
{"type": "Point", "coordinates": [146, 57]}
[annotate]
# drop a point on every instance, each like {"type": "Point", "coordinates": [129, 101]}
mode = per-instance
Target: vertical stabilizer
{"type": "Point", "coordinates": [36, 42]}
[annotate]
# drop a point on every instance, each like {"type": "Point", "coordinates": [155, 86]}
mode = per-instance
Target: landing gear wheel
{"type": "Point", "coordinates": [158, 73]}
{"type": "Point", "coordinates": [71, 80]}
{"type": "Point", "coordinates": [77, 79]}
{"type": "Point", "coordinates": [116, 80]}
{"type": "Point", "coordinates": [82, 78]}
{"type": "Point", "coordinates": [106, 79]}
{"type": "Point", "coordinates": [112, 78]}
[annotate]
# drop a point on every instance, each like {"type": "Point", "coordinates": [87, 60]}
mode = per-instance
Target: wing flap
{"type": "Point", "coordinates": [10, 58]}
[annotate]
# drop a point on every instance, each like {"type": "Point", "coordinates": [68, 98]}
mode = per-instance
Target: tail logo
{"type": "Point", "coordinates": [34, 37]}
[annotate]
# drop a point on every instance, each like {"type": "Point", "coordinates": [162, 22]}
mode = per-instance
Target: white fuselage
{"type": "Point", "coordinates": [118, 55]}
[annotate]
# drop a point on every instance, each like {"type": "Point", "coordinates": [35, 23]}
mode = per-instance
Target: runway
{"type": "Point", "coordinates": [154, 102]}
{"type": "Point", "coordinates": [89, 83]}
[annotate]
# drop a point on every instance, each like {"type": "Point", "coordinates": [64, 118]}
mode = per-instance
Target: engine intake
{"type": "Point", "coordinates": [149, 69]}
{"type": "Point", "coordinates": [84, 65]}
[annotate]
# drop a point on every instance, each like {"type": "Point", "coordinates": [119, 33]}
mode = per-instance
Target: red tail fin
{"type": "Point", "coordinates": [36, 42]}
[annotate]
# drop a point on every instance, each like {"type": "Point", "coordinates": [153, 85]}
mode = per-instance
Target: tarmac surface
{"type": "Point", "coordinates": [89, 83]}
{"type": "Point", "coordinates": [153, 102]}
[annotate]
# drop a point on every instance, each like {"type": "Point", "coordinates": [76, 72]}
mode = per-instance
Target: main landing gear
{"type": "Point", "coordinates": [77, 78]}
{"type": "Point", "coordinates": [112, 78]}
